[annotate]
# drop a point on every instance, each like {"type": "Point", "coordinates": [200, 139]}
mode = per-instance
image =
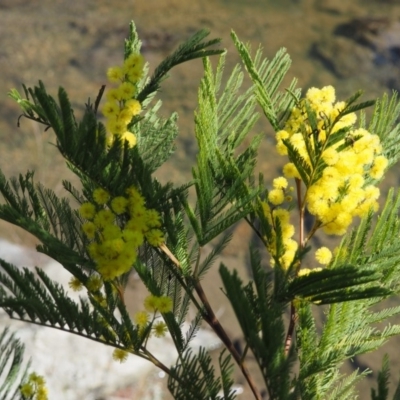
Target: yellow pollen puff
{"type": "Point", "coordinates": [151, 303]}
{"type": "Point", "coordinates": [324, 95]}
{"type": "Point", "coordinates": [113, 95]}
{"type": "Point", "coordinates": [155, 237]}
{"type": "Point", "coordinates": [276, 196]}
{"type": "Point", "coordinates": [111, 232]}
{"type": "Point", "coordinates": [126, 90]}
{"type": "Point", "coordinates": [281, 135]}
{"type": "Point", "coordinates": [101, 196]}
{"type": "Point", "coordinates": [281, 148]}
{"type": "Point", "coordinates": [290, 171]}
{"type": "Point", "coordinates": [94, 283]}
{"type": "Point", "coordinates": [87, 210]}
{"type": "Point", "coordinates": [372, 193]}
{"type": "Point", "coordinates": [89, 229]}
{"type": "Point", "coordinates": [291, 245]}
{"type": "Point", "coordinates": [104, 218]}
{"type": "Point", "coordinates": [110, 109]}
{"type": "Point", "coordinates": [287, 259]}
{"type": "Point", "coordinates": [280, 183]}
{"type": "Point", "coordinates": [133, 106]}
{"type": "Point", "coordinates": [134, 60]}
{"type": "Point", "coordinates": [356, 181]}
{"type": "Point", "coordinates": [160, 329]}
{"type": "Point", "coordinates": [125, 116]}
{"type": "Point", "coordinates": [119, 204]}
{"type": "Point", "coordinates": [164, 304]}
{"type": "Point", "coordinates": [120, 355]}
{"type": "Point", "coordinates": [27, 390]}
{"type": "Point", "coordinates": [378, 168]}
{"type": "Point", "coordinates": [115, 74]}
{"type": "Point", "coordinates": [141, 318]}
{"type": "Point", "coordinates": [133, 237]}
{"type": "Point", "coordinates": [75, 284]}
{"type": "Point", "coordinates": [330, 156]}
{"type": "Point", "coordinates": [152, 218]}
{"type": "Point", "coordinates": [130, 138]}
{"type": "Point", "coordinates": [323, 255]}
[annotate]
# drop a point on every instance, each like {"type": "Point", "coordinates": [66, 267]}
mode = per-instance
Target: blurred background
{"type": "Point", "coordinates": [351, 45]}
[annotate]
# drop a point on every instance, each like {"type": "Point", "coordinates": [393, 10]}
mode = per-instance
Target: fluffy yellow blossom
{"type": "Point", "coordinates": [164, 304]}
{"type": "Point", "coordinates": [115, 74]}
{"type": "Point", "coordinates": [151, 303]}
{"type": "Point", "coordinates": [155, 237]}
{"type": "Point", "coordinates": [104, 218]}
{"type": "Point", "coordinates": [94, 283]}
{"type": "Point", "coordinates": [89, 229]}
{"type": "Point", "coordinates": [134, 60]}
{"type": "Point", "coordinates": [130, 138]}
{"type": "Point", "coordinates": [100, 196]}
{"type": "Point", "coordinates": [330, 156]}
{"type": "Point", "coordinates": [290, 171]}
{"type": "Point", "coordinates": [280, 183]}
{"type": "Point", "coordinates": [110, 109]}
{"type": "Point", "coordinates": [276, 196]}
{"type": "Point", "coordinates": [75, 284]}
{"type": "Point", "coordinates": [141, 318]}
{"type": "Point", "coordinates": [87, 210]}
{"type": "Point", "coordinates": [378, 167]}
{"type": "Point", "coordinates": [126, 90]}
{"type": "Point", "coordinates": [119, 204]}
{"type": "Point", "coordinates": [323, 255]}
{"type": "Point", "coordinates": [160, 329]}
{"type": "Point", "coordinates": [27, 390]}
{"type": "Point", "coordinates": [133, 106]}
{"type": "Point", "coordinates": [120, 355]}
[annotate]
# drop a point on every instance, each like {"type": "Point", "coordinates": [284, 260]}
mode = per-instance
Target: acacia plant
{"type": "Point", "coordinates": [122, 219]}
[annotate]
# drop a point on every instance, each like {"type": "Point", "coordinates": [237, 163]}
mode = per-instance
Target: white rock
{"type": "Point", "coordinates": [76, 367]}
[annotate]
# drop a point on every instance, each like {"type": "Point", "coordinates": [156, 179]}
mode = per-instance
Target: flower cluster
{"type": "Point", "coordinates": [279, 215]}
{"type": "Point", "coordinates": [116, 227]}
{"type": "Point", "coordinates": [143, 319]}
{"type": "Point", "coordinates": [152, 305]}
{"type": "Point", "coordinates": [338, 160]}
{"type": "Point", "coordinates": [35, 388]}
{"type": "Point", "coordinates": [121, 105]}
{"type": "Point", "coordinates": [339, 192]}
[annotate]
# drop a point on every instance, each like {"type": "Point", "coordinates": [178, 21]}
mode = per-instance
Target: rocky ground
{"type": "Point", "coordinates": [352, 45]}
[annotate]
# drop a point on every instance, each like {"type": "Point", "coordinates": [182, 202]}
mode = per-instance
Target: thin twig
{"type": "Point", "coordinates": [216, 326]}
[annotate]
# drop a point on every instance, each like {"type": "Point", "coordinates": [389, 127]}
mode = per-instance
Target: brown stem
{"type": "Point", "coordinates": [292, 324]}
{"type": "Point", "coordinates": [216, 326]}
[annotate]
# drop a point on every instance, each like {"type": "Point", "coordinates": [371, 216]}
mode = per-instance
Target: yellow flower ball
{"type": "Point", "coordinates": [276, 196]}
{"type": "Point", "coordinates": [87, 210]}
{"type": "Point", "coordinates": [323, 255]}
{"type": "Point", "coordinates": [101, 196]}
{"type": "Point", "coordinates": [120, 355]}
